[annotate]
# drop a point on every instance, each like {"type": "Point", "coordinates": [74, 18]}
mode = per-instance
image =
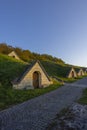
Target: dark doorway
{"type": "Point", "coordinates": [72, 74]}
{"type": "Point", "coordinates": [81, 73]}
{"type": "Point", "coordinates": [36, 79]}
{"type": "Point", "coordinates": [13, 56]}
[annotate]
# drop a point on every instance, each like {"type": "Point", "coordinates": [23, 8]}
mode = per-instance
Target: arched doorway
{"type": "Point", "coordinates": [13, 56]}
{"type": "Point", "coordinates": [36, 79]}
{"type": "Point", "coordinates": [72, 74]}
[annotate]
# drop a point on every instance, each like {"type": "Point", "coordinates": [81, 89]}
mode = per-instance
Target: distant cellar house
{"type": "Point", "coordinates": [34, 76]}
{"type": "Point", "coordinates": [85, 70]}
{"type": "Point", "coordinates": [14, 55]}
{"type": "Point", "coordinates": [80, 72]}
{"type": "Point", "coordinates": [72, 73]}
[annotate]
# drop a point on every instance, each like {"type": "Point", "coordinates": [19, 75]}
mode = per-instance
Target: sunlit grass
{"type": "Point", "coordinates": [9, 96]}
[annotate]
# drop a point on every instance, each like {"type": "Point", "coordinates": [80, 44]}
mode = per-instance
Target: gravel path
{"type": "Point", "coordinates": [37, 113]}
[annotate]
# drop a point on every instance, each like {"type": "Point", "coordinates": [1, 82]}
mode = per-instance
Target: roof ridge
{"type": "Point", "coordinates": [28, 68]}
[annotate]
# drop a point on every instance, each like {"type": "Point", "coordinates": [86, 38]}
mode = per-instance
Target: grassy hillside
{"type": "Point", "coordinates": [27, 55]}
{"type": "Point", "coordinates": [9, 68]}
{"type": "Point", "coordinates": [54, 69]}
{"type": "Point", "coordinates": [60, 71]}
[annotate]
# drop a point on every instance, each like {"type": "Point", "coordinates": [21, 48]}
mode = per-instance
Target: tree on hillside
{"type": "Point", "coordinates": [5, 49]}
{"type": "Point", "coordinates": [27, 55]}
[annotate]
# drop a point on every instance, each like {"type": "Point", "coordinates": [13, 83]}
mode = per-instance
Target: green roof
{"type": "Point", "coordinates": [54, 69]}
{"type": "Point", "coordinates": [28, 68]}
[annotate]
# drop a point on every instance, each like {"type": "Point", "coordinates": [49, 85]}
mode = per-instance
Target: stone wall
{"type": "Point", "coordinates": [27, 81]}
{"type": "Point", "coordinates": [80, 73]}
{"type": "Point", "coordinates": [13, 54]}
{"type": "Point", "coordinates": [70, 74]}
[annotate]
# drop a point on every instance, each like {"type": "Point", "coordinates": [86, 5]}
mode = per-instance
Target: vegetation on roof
{"type": "Point", "coordinates": [54, 69]}
{"type": "Point", "coordinates": [77, 69]}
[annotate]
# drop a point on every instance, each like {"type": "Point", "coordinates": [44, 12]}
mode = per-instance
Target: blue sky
{"type": "Point", "coordinates": [56, 27]}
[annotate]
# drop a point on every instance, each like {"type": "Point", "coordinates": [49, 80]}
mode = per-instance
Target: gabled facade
{"type": "Point", "coordinates": [85, 71]}
{"type": "Point", "coordinates": [72, 73]}
{"type": "Point", "coordinates": [14, 55]}
{"type": "Point", "coordinates": [80, 72]}
{"type": "Point", "coordinates": [34, 76]}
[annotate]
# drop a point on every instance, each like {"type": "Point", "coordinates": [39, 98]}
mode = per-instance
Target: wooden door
{"type": "Point", "coordinates": [72, 74]}
{"type": "Point", "coordinates": [36, 79]}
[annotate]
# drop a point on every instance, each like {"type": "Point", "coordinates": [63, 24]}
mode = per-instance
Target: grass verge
{"type": "Point", "coordinates": [71, 80]}
{"type": "Point", "coordinates": [83, 99]}
{"type": "Point", "coordinates": [9, 96]}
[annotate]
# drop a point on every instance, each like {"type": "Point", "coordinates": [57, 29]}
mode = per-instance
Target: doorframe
{"type": "Point", "coordinates": [39, 78]}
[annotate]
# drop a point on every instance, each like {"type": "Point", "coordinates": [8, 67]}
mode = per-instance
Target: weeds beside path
{"type": "Point", "coordinates": [37, 113]}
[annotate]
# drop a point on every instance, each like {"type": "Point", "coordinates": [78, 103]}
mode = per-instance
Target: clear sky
{"type": "Point", "coordinates": [56, 27]}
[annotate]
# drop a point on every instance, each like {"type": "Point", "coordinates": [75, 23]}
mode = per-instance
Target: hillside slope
{"type": "Point", "coordinates": [27, 55]}
{"type": "Point", "coordinates": [10, 68]}
{"type": "Point", "coordinates": [54, 69]}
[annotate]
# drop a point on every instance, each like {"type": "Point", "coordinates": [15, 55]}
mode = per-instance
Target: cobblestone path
{"type": "Point", "coordinates": [37, 113]}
